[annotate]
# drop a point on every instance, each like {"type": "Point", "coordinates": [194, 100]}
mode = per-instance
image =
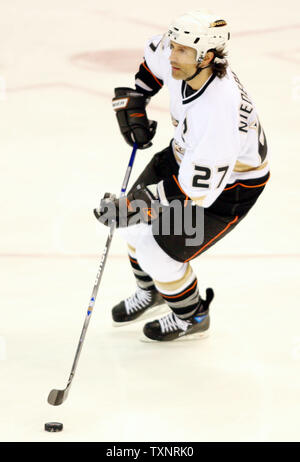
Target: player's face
{"type": "Point", "coordinates": [182, 60]}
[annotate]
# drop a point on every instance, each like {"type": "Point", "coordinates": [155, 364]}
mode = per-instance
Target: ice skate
{"type": "Point", "coordinates": [171, 327]}
{"type": "Point", "coordinates": [133, 307]}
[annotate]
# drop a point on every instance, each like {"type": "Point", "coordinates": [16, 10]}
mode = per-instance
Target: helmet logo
{"type": "Point", "coordinates": [218, 23]}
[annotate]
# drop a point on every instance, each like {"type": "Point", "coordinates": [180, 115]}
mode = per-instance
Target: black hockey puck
{"type": "Point", "coordinates": [53, 427]}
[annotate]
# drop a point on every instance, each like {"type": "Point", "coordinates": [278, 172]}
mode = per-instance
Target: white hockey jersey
{"type": "Point", "coordinates": [218, 138]}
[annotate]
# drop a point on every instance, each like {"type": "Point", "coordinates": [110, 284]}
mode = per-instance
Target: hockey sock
{"type": "Point", "coordinates": [182, 296]}
{"type": "Point", "coordinates": [144, 281]}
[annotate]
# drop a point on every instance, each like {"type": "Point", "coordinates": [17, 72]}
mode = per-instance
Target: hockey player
{"type": "Point", "coordinates": [216, 164]}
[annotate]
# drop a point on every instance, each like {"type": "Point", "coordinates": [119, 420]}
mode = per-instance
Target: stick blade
{"type": "Point", "coordinates": [57, 397]}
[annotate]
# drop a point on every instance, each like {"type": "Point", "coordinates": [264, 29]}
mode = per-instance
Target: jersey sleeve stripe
{"type": "Point", "coordinates": [146, 82]}
{"type": "Point", "coordinates": [160, 83]}
{"type": "Point", "coordinates": [141, 84]}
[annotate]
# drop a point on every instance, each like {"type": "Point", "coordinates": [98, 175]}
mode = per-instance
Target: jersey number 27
{"type": "Point", "coordinates": [201, 180]}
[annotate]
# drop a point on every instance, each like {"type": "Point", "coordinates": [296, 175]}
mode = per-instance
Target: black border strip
{"type": "Point", "coordinates": [198, 93]}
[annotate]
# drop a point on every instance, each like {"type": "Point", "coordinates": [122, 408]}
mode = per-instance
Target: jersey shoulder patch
{"type": "Point", "coordinates": [154, 42]}
{"type": "Point", "coordinates": [153, 46]}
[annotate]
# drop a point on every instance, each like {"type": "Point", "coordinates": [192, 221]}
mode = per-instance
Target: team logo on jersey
{"type": "Point", "coordinates": [218, 23]}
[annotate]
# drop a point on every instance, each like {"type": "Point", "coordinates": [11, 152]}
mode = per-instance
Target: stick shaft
{"type": "Point", "coordinates": [100, 271]}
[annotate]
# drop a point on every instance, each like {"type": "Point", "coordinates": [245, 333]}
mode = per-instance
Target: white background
{"type": "Point", "coordinates": [60, 151]}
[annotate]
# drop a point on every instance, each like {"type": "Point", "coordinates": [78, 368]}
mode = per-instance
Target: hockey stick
{"type": "Point", "coordinates": [57, 397]}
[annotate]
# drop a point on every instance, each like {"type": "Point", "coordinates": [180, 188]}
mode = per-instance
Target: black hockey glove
{"type": "Point", "coordinates": [130, 107]}
{"type": "Point", "coordinates": [140, 206]}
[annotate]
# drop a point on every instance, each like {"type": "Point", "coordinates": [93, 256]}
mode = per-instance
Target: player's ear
{"type": "Point", "coordinates": [208, 58]}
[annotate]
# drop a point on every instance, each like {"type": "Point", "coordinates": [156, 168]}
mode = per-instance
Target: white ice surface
{"type": "Point", "coordinates": [60, 151]}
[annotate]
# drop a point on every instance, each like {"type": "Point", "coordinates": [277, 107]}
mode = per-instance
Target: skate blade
{"type": "Point", "coordinates": [151, 313]}
{"type": "Point", "coordinates": [185, 338]}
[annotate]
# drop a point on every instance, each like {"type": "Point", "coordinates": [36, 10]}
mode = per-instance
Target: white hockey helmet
{"type": "Point", "coordinates": [201, 31]}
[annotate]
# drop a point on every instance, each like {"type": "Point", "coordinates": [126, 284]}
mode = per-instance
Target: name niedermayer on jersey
{"type": "Point", "coordinates": [246, 106]}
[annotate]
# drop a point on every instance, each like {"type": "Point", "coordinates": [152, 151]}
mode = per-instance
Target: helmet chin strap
{"type": "Point", "coordinates": [199, 69]}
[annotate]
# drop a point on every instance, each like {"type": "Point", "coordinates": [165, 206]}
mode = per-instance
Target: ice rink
{"type": "Point", "coordinates": [60, 151]}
